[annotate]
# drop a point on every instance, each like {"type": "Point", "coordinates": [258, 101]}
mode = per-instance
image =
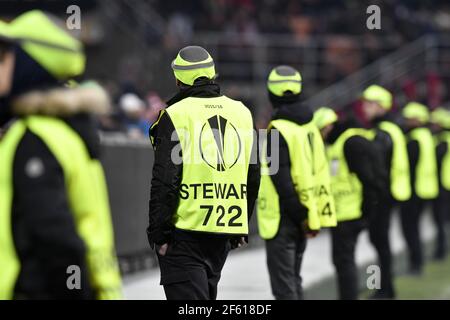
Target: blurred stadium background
{"type": "Point", "coordinates": [130, 45]}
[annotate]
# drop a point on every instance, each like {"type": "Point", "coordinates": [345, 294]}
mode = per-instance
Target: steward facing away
{"type": "Point", "coordinates": [205, 179]}
{"type": "Point", "coordinates": [391, 142]}
{"type": "Point", "coordinates": [355, 186]}
{"type": "Point", "coordinates": [54, 210]}
{"type": "Point", "coordinates": [424, 179]}
{"type": "Point", "coordinates": [294, 200]}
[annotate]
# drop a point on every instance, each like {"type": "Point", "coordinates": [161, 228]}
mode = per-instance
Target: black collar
{"type": "Point", "coordinates": [202, 90]}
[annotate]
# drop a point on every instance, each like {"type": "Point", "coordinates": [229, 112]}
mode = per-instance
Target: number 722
{"type": "Point", "coordinates": [220, 210]}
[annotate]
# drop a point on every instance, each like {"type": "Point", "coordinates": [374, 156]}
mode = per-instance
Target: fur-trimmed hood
{"type": "Point", "coordinates": [62, 102]}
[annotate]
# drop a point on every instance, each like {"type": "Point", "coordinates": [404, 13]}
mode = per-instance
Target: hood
{"type": "Point", "coordinates": [62, 102]}
{"type": "Point", "coordinates": [296, 112]}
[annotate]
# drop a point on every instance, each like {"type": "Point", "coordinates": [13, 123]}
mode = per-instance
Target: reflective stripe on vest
{"type": "Point", "coordinates": [216, 138]}
{"type": "Point", "coordinates": [87, 196]}
{"type": "Point", "coordinates": [310, 175]}
{"type": "Point", "coordinates": [345, 185]}
{"type": "Point", "coordinates": [426, 185]}
{"type": "Point", "coordinates": [400, 174]}
{"type": "Point", "coordinates": [445, 166]}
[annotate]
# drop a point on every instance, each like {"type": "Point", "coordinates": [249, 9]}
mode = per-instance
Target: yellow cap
{"type": "Point", "coordinates": [191, 63]}
{"type": "Point", "coordinates": [441, 117]}
{"type": "Point", "coordinates": [283, 79]}
{"type": "Point", "coordinates": [378, 94]}
{"type": "Point", "coordinates": [418, 111]}
{"type": "Point", "coordinates": [324, 116]}
{"type": "Point", "coordinates": [44, 41]}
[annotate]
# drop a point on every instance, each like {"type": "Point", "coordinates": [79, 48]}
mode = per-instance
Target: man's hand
{"type": "Point", "coordinates": [237, 242]}
{"type": "Point", "coordinates": [162, 250]}
{"type": "Point", "coordinates": [308, 232]}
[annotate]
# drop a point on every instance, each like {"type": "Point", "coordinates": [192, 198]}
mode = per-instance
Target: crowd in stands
{"type": "Point", "coordinates": [302, 19]}
{"type": "Point", "coordinates": [340, 22]}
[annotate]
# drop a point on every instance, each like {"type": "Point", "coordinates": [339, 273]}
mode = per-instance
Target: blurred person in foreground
{"type": "Point", "coordinates": [205, 179]}
{"type": "Point", "coordinates": [440, 125]}
{"type": "Point", "coordinates": [54, 211]}
{"type": "Point", "coordinates": [294, 199]}
{"type": "Point", "coordinates": [391, 143]}
{"type": "Point", "coordinates": [424, 180]}
{"type": "Point", "coordinates": [355, 186]}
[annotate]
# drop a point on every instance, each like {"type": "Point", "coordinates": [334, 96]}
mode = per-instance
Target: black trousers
{"type": "Point", "coordinates": [284, 260]}
{"type": "Point", "coordinates": [441, 215]}
{"type": "Point", "coordinates": [410, 214]}
{"type": "Point", "coordinates": [379, 226]}
{"type": "Point", "coordinates": [344, 238]}
{"type": "Point", "coordinates": [191, 270]}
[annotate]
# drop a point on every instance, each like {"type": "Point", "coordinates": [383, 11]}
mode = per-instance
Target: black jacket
{"type": "Point", "coordinates": [290, 205]}
{"type": "Point", "coordinates": [364, 160]}
{"type": "Point", "coordinates": [384, 144]}
{"type": "Point", "coordinates": [413, 156]}
{"type": "Point", "coordinates": [44, 230]}
{"type": "Point", "coordinates": [166, 180]}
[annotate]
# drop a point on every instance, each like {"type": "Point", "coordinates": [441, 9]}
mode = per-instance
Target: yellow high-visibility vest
{"type": "Point", "coordinates": [426, 185]}
{"type": "Point", "coordinates": [310, 176]}
{"type": "Point", "coordinates": [346, 187]}
{"type": "Point", "coordinates": [445, 166]}
{"type": "Point", "coordinates": [216, 139]}
{"type": "Point", "coordinates": [87, 196]}
{"type": "Point", "coordinates": [400, 174]}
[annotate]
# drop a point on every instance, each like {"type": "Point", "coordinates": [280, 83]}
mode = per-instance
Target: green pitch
{"type": "Point", "coordinates": [433, 284]}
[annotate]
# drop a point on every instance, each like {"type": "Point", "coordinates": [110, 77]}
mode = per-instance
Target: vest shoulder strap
{"type": "Point", "coordinates": [65, 144]}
